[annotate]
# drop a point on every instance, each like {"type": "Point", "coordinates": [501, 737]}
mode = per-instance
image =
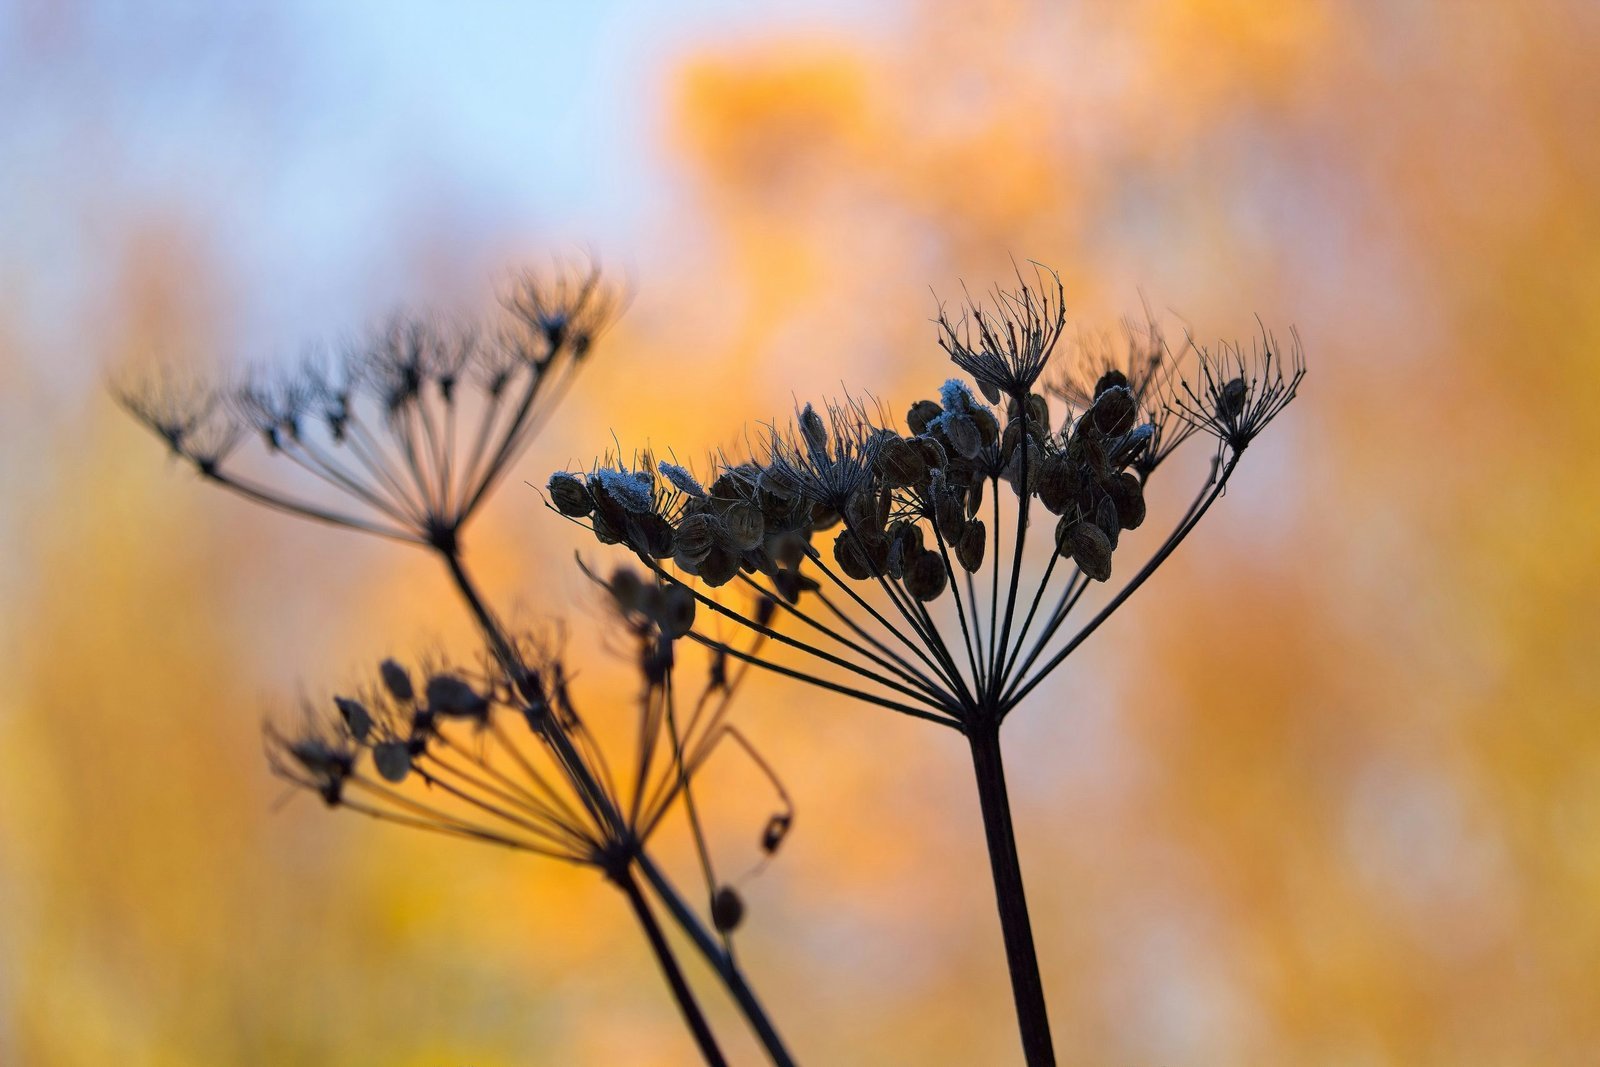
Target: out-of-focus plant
{"type": "Point", "coordinates": [404, 437]}
{"type": "Point", "coordinates": [940, 515]}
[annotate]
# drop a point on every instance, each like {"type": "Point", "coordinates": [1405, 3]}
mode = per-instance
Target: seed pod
{"type": "Point", "coordinates": [745, 525]}
{"type": "Point", "coordinates": [778, 481]}
{"type": "Point", "coordinates": [963, 435]}
{"type": "Point", "coordinates": [1087, 546]}
{"type": "Point", "coordinates": [922, 413]}
{"type": "Point", "coordinates": [814, 431]}
{"type": "Point", "coordinates": [900, 464]}
{"type": "Point", "coordinates": [356, 717]}
{"type": "Point", "coordinates": [1105, 517]}
{"type": "Point", "coordinates": [1038, 412]}
{"type": "Point", "coordinates": [990, 391]}
{"type": "Point", "coordinates": [653, 534]}
{"type": "Point", "coordinates": [1086, 447]}
{"type": "Point", "coordinates": [695, 536]}
{"type": "Point", "coordinates": [863, 512]}
{"type": "Point", "coordinates": [861, 556]}
{"type": "Point", "coordinates": [452, 697]}
{"type": "Point", "coordinates": [1058, 483]}
{"type": "Point", "coordinates": [1231, 400]}
{"type": "Point", "coordinates": [776, 830]}
{"type": "Point", "coordinates": [926, 576]}
{"type": "Point", "coordinates": [719, 566]}
{"type": "Point", "coordinates": [932, 452]}
{"type": "Point", "coordinates": [393, 760]}
{"type": "Point", "coordinates": [727, 910]}
{"type": "Point", "coordinates": [820, 517]}
{"type": "Point", "coordinates": [988, 425]}
{"type": "Point", "coordinates": [629, 591]}
{"type": "Point", "coordinates": [1128, 495]}
{"type": "Point", "coordinates": [950, 514]}
{"type": "Point", "coordinates": [1125, 449]}
{"type": "Point", "coordinates": [396, 679]}
{"type": "Point", "coordinates": [1111, 379]}
{"type": "Point", "coordinates": [905, 545]}
{"type": "Point", "coordinates": [1112, 412]}
{"type": "Point", "coordinates": [568, 494]}
{"type": "Point", "coordinates": [681, 479]}
{"type": "Point", "coordinates": [969, 550]}
{"type": "Point", "coordinates": [974, 496]}
{"type": "Point", "coordinates": [675, 612]}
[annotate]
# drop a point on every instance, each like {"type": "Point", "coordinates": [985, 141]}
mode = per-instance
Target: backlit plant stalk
{"type": "Point", "coordinates": [898, 557]}
{"type": "Point", "coordinates": [404, 437]}
{"type": "Point", "coordinates": [451, 754]}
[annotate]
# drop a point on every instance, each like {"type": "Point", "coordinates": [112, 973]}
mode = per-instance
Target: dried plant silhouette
{"type": "Point", "coordinates": [404, 437]}
{"type": "Point", "coordinates": [898, 560]}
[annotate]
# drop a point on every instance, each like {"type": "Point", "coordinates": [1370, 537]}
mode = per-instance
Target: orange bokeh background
{"type": "Point", "coordinates": [1327, 791]}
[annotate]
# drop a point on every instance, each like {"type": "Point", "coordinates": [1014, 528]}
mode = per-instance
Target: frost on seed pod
{"type": "Point", "coordinates": [568, 494]}
{"type": "Point", "coordinates": [1086, 544]}
{"type": "Point", "coordinates": [727, 910]}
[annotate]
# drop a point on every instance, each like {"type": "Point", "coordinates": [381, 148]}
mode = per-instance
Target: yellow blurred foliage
{"type": "Point", "coordinates": [1328, 791]}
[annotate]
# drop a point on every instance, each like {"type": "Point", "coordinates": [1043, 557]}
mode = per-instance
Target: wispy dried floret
{"type": "Point", "coordinates": [191, 417]}
{"type": "Point", "coordinates": [822, 459]}
{"type": "Point", "coordinates": [1233, 394]}
{"type": "Point", "coordinates": [1006, 345]}
{"type": "Point", "coordinates": [461, 751]}
{"type": "Point", "coordinates": [405, 432]}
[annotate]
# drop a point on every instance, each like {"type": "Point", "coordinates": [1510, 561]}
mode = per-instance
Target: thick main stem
{"type": "Point", "coordinates": [1026, 988]}
{"type": "Point", "coordinates": [670, 970]}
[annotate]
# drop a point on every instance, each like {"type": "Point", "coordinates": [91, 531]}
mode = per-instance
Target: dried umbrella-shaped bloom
{"type": "Point", "coordinates": [459, 752]}
{"type": "Point", "coordinates": [407, 432]}
{"type": "Point", "coordinates": [873, 542]}
{"type": "Point", "coordinates": [406, 435]}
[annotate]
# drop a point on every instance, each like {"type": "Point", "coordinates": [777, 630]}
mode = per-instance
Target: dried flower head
{"type": "Point", "coordinates": [857, 531]}
{"type": "Point", "coordinates": [1006, 345]}
{"type": "Point", "coordinates": [1234, 394]}
{"type": "Point", "coordinates": [403, 434]}
{"type": "Point", "coordinates": [462, 752]}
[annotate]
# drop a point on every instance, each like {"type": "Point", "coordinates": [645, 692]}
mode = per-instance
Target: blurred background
{"type": "Point", "coordinates": [1326, 792]}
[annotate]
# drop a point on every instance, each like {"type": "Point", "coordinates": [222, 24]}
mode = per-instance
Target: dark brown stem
{"type": "Point", "coordinates": [1027, 990]}
{"type": "Point", "coordinates": [681, 992]}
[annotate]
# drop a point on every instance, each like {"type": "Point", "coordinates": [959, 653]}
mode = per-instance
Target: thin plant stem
{"type": "Point", "coordinates": [687, 1004]}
